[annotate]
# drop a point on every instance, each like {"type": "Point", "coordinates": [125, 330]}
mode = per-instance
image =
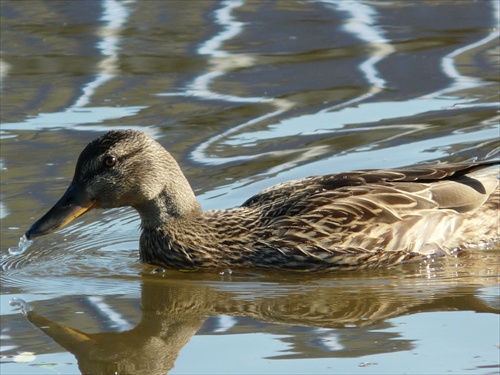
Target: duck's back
{"type": "Point", "coordinates": [378, 217]}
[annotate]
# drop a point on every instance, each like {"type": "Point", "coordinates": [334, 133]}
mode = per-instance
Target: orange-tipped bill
{"type": "Point", "coordinates": [72, 204]}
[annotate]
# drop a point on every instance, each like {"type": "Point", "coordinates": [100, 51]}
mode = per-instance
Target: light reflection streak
{"type": "Point", "coordinates": [362, 24]}
{"type": "Point", "coordinates": [224, 323]}
{"type": "Point", "coordinates": [460, 81]}
{"type": "Point", "coordinates": [222, 62]}
{"type": "Point", "coordinates": [105, 309]}
{"type": "Point", "coordinates": [115, 15]}
{"type": "Point", "coordinates": [4, 71]}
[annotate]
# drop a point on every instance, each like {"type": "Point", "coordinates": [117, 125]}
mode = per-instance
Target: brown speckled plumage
{"type": "Point", "coordinates": [350, 220]}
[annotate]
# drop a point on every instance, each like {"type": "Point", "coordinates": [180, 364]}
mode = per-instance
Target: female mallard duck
{"type": "Point", "coordinates": [350, 220]}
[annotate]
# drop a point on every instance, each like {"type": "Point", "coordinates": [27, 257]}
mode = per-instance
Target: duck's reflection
{"type": "Point", "coordinates": [173, 310]}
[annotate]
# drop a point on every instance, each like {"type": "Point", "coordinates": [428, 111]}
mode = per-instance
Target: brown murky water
{"type": "Point", "coordinates": [244, 94]}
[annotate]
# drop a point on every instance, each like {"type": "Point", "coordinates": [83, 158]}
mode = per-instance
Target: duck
{"type": "Point", "coordinates": [345, 221]}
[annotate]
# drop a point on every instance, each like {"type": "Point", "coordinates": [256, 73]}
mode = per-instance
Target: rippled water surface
{"type": "Point", "coordinates": [244, 94]}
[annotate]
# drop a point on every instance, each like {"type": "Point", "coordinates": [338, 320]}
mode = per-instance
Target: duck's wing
{"type": "Point", "coordinates": [461, 187]}
{"type": "Point", "coordinates": [409, 210]}
{"type": "Point", "coordinates": [455, 186]}
{"type": "Point", "coordinates": [432, 172]}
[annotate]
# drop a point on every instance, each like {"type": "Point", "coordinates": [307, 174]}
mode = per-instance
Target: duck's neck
{"type": "Point", "coordinates": [174, 202]}
{"type": "Point", "coordinates": [167, 231]}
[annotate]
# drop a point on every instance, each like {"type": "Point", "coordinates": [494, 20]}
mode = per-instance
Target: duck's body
{"type": "Point", "coordinates": [350, 220]}
{"type": "Point", "coordinates": [345, 221]}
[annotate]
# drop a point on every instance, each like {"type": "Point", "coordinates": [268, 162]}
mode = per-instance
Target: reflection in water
{"type": "Point", "coordinates": [175, 308]}
{"type": "Point", "coordinates": [221, 63]}
{"type": "Point", "coordinates": [4, 70]}
{"type": "Point", "coordinates": [363, 25]}
{"type": "Point", "coordinates": [449, 62]}
{"type": "Point", "coordinates": [114, 16]}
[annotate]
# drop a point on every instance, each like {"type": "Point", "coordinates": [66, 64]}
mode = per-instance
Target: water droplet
{"type": "Point", "coordinates": [24, 357]}
{"type": "Point", "coordinates": [158, 270]}
{"type": "Point", "coordinates": [365, 364]}
{"type": "Point", "coordinates": [23, 245]}
{"type": "Point", "coordinates": [226, 272]}
{"type": "Point", "coordinates": [22, 304]}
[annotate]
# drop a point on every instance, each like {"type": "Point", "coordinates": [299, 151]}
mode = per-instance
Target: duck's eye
{"type": "Point", "coordinates": [109, 161]}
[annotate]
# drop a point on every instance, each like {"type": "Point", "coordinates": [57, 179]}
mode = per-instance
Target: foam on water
{"type": "Point", "coordinates": [21, 247]}
{"type": "Point", "coordinates": [22, 304]}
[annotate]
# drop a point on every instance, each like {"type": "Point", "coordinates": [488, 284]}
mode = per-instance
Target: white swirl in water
{"type": "Point", "coordinates": [21, 247]}
{"type": "Point", "coordinates": [22, 304]}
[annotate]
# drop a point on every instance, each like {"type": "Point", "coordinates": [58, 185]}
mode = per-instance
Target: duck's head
{"type": "Point", "coordinates": [122, 168]}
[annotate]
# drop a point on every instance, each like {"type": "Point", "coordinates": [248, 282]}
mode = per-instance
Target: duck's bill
{"type": "Point", "coordinates": [72, 204]}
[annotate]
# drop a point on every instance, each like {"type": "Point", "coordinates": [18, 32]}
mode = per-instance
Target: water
{"type": "Point", "coordinates": [21, 247]}
{"type": "Point", "coordinates": [21, 304]}
{"type": "Point", "coordinates": [244, 94]}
